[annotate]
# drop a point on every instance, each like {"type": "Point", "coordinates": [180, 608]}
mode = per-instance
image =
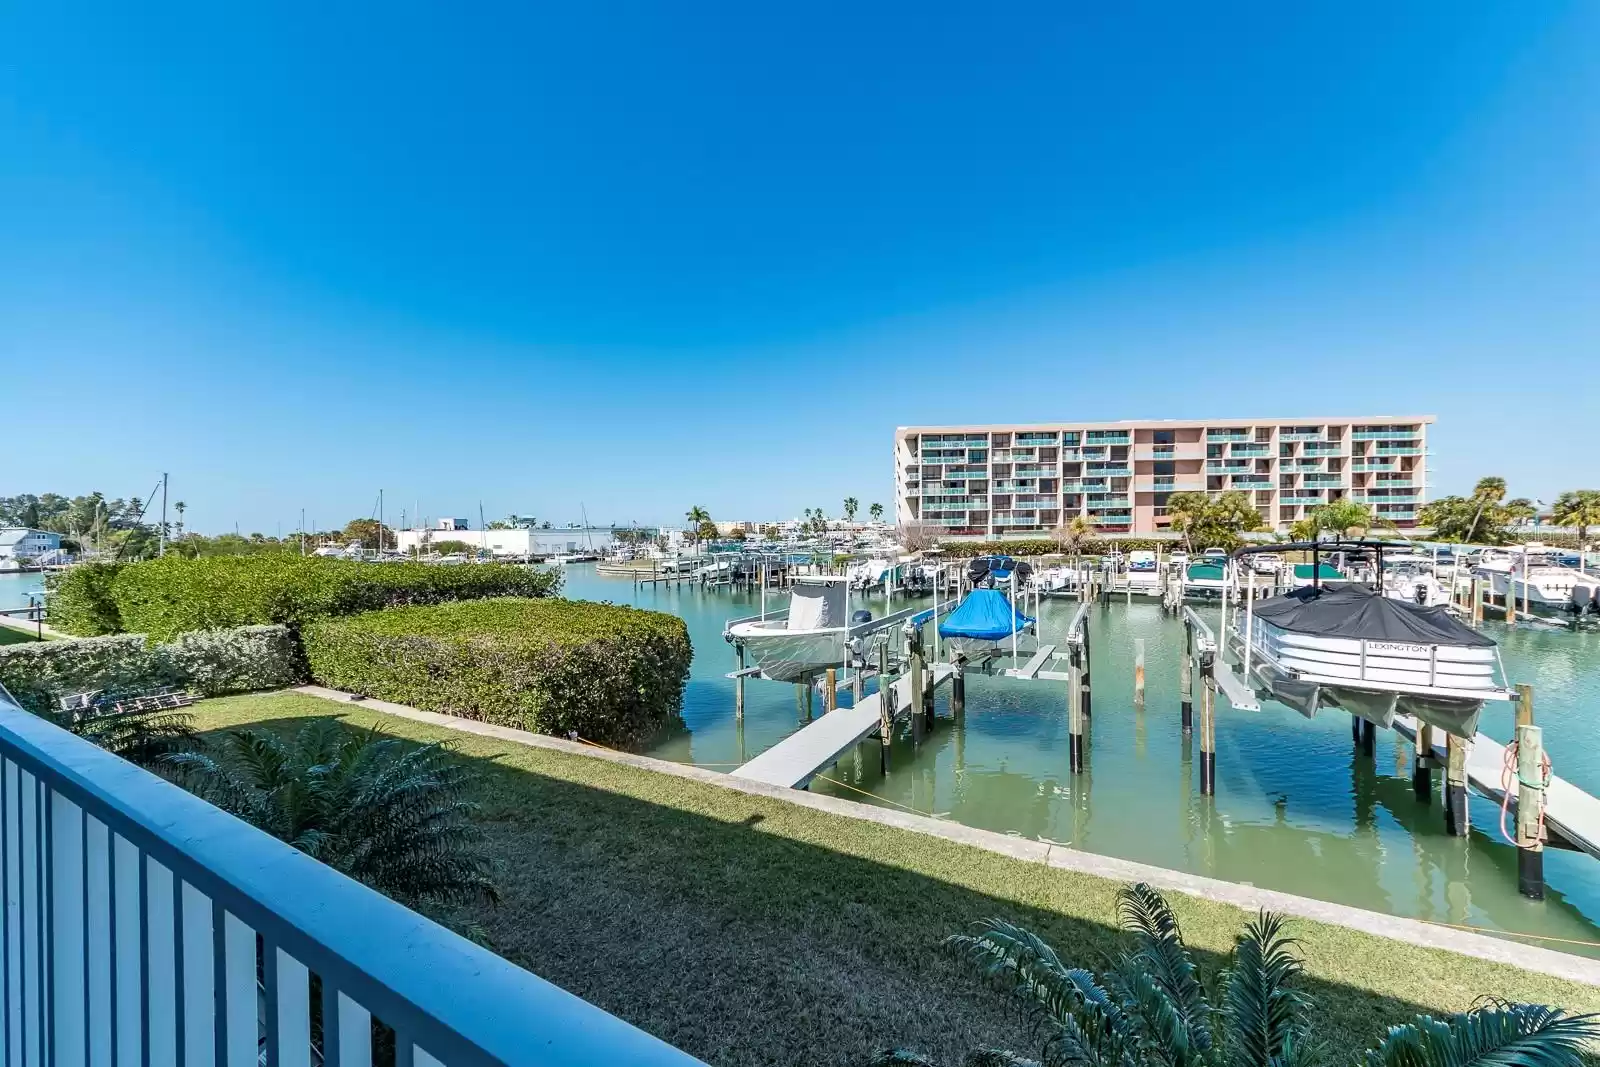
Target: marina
{"type": "Point", "coordinates": [1298, 805]}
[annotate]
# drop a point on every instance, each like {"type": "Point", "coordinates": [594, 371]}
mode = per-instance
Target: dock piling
{"type": "Point", "coordinates": [958, 689]}
{"type": "Point", "coordinates": [1186, 680]}
{"type": "Point", "coordinates": [1208, 735]}
{"type": "Point", "coordinates": [738, 686]}
{"type": "Point", "coordinates": [1088, 685]}
{"type": "Point", "coordinates": [830, 691]}
{"type": "Point", "coordinates": [885, 708]}
{"type": "Point", "coordinates": [1455, 786]}
{"type": "Point", "coordinates": [1422, 771]}
{"type": "Point", "coordinates": [1138, 673]}
{"type": "Point", "coordinates": [918, 722]}
{"type": "Point", "coordinates": [1530, 798]}
{"type": "Point", "coordinates": [1075, 715]}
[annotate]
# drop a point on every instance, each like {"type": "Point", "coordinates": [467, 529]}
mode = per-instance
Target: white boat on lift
{"type": "Point", "coordinates": [1345, 645]}
{"type": "Point", "coordinates": [812, 635]}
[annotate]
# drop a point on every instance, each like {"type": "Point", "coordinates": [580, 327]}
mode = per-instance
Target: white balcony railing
{"type": "Point", "coordinates": [143, 925]}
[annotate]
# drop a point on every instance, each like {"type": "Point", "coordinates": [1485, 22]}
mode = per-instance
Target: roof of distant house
{"type": "Point", "coordinates": [15, 534]}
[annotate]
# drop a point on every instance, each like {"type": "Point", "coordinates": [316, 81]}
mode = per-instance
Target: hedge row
{"type": "Point", "coordinates": [165, 597]}
{"type": "Point", "coordinates": [210, 663]}
{"type": "Point", "coordinates": [614, 675]}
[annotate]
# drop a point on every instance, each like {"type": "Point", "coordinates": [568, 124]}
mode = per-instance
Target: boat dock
{"type": "Point", "coordinates": [794, 761]}
{"type": "Point", "coordinates": [1571, 815]}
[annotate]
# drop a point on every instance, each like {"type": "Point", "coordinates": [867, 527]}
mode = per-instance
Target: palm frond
{"type": "Point", "coordinates": [1079, 1021]}
{"type": "Point", "coordinates": [996, 1057]}
{"type": "Point", "coordinates": [1497, 1035]}
{"type": "Point", "coordinates": [1264, 1014]}
{"type": "Point", "coordinates": [1161, 953]}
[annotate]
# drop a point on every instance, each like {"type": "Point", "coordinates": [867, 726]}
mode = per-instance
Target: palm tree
{"type": "Point", "coordinates": [696, 516]}
{"type": "Point", "coordinates": [1580, 508]}
{"type": "Point", "coordinates": [1151, 1007]}
{"type": "Point", "coordinates": [876, 511]}
{"type": "Point", "coordinates": [850, 506]}
{"type": "Point", "coordinates": [1490, 490]}
{"type": "Point", "coordinates": [180, 507]}
{"type": "Point", "coordinates": [386, 812]}
{"type": "Point", "coordinates": [1071, 535]}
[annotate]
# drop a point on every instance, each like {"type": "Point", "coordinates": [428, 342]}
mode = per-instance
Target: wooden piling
{"type": "Point", "coordinates": [1477, 604]}
{"type": "Point", "coordinates": [1088, 685]}
{"type": "Point", "coordinates": [830, 691]}
{"type": "Point", "coordinates": [1422, 770]}
{"type": "Point", "coordinates": [1368, 737]}
{"type": "Point", "coordinates": [738, 686]}
{"type": "Point", "coordinates": [1075, 715]}
{"type": "Point", "coordinates": [1138, 673]}
{"type": "Point", "coordinates": [1186, 680]}
{"type": "Point", "coordinates": [1511, 602]}
{"type": "Point", "coordinates": [1208, 734]}
{"type": "Point", "coordinates": [917, 721]}
{"type": "Point", "coordinates": [1530, 798]}
{"type": "Point", "coordinates": [1456, 822]}
{"type": "Point", "coordinates": [958, 690]}
{"type": "Point", "coordinates": [885, 708]}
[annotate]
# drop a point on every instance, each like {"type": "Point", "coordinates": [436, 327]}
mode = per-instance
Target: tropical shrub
{"type": "Point", "coordinates": [81, 602]}
{"type": "Point", "coordinates": [611, 674]}
{"type": "Point", "coordinates": [395, 815]}
{"type": "Point", "coordinates": [165, 597]}
{"type": "Point", "coordinates": [1151, 1007]}
{"type": "Point", "coordinates": [210, 663]}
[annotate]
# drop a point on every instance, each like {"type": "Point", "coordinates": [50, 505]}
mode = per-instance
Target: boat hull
{"type": "Point", "coordinates": [785, 655]}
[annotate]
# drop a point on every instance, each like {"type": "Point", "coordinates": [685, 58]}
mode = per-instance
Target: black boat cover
{"type": "Point", "coordinates": [1352, 611]}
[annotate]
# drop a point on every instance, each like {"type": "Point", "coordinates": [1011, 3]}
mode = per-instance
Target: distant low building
{"type": "Point", "coordinates": [19, 542]}
{"type": "Point", "coordinates": [510, 543]}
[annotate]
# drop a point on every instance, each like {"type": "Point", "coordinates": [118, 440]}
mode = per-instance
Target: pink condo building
{"type": "Point", "coordinates": [1024, 480]}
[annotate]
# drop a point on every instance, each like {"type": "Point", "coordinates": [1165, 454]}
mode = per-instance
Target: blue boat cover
{"type": "Point", "coordinates": [985, 615]}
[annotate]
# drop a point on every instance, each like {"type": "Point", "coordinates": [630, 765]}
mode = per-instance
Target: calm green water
{"type": "Point", "coordinates": [1296, 808]}
{"type": "Point", "coordinates": [14, 588]}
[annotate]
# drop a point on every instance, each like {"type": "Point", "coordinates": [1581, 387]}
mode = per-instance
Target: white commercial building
{"type": "Point", "coordinates": [513, 542]}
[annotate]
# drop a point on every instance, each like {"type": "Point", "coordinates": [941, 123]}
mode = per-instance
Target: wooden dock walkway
{"type": "Point", "coordinates": [795, 760]}
{"type": "Point", "coordinates": [1569, 812]}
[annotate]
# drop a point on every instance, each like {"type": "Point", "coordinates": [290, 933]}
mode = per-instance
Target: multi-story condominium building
{"type": "Point", "coordinates": [1000, 481]}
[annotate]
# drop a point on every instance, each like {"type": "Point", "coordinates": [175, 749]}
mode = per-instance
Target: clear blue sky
{"type": "Point", "coordinates": [643, 256]}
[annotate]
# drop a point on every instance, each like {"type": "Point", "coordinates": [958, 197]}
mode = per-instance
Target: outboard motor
{"type": "Point", "coordinates": [860, 616]}
{"type": "Point", "coordinates": [1420, 594]}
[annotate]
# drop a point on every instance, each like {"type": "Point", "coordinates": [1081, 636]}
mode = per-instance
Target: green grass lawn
{"type": "Point", "coordinates": [746, 930]}
{"type": "Point", "coordinates": [11, 636]}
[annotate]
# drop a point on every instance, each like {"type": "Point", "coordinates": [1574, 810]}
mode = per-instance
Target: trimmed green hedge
{"type": "Point", "coordinates": [614, 675]}
{"type": "Point", "coordinates": [80, 599]}
{"type": "Point", "coordinates": [210, 663]}
{"type": "Point", "coordinates": [165, 597]}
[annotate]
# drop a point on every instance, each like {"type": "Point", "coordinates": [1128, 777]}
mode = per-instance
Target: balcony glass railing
{"type": "Point", "coordinates": [1164, 481]}
{"type": "Point", "coordinates": [1035, 468]}
{"type": "Point", "coordinates": [1250, 449]}
{"type": "Point", "coordinates": [1113, 469]}
{"type": "Point", "coordinates": [1264, 481]}
{"type": "Point", "coordinates": [1326, 480]}
{"type": "Point", "coordinates": [1110, 518]}
{"type": "Point", "coordinates": [143, 879]}
{"type": "Point", "coordinates": [1387, 434]}
{"type": "Point", "coordinates": [1314, 435]}
{"type": "Point", "coordinates": [1108, 500]}
{"type": "Point", "coordinates": [1036, 438]}
{"type": "Point", "coordinates": [1301, 465]}
{"type": "Point", "coordinates": [1398, 450]}
{"type": "Point", "coordinates": [1224, 465]}
{"type": "Point", "coordinates": [1108, 437]}
{"type": "Point", "coordinates": [1323, 450]}
{"type": "Point", "coordinates": [1308, 500]}
{"type": "Point", "coordinates": [1220, 436]}
{"type": "Point", "coordinates": [1372, 465]}
{"type": "Point", "coordinates": [958, 475]}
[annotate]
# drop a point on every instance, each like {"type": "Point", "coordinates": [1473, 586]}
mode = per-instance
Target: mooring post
{"type": "Point", "coordinates": [1368, 737]}
{"type": "Point", "coordinates": [1455, 786]}
{"type": "Point", "coordinates": [1088, 685]}
{"type": "Point", "coordinates": [1186, 680]}
{"type": "Point", "coordinates": [738, 686]}
{"type": "Point", "coordinates": [885, 707]}
{"type": "Point", "coordinates": [1422, 770]}
{"type": "Point", "coordinates": [915, 705]}
{"type": "Point", "coordinates": [830, 691]}
{"type": "Point", "coordinates": [958, 689]}
{"type": "Point", "coordinates": [1138, 673]}
{"type": "Point", "coordinates": [1530, 798]}
{"type": "Point", "coordinates": [1075, 714]}
{"type": "Point", "coordinates": [1477, 604]}
{"type": "Point", "coordinates": [1511, 602]}
{"type": "Point", "coordinates": [1208, 733]}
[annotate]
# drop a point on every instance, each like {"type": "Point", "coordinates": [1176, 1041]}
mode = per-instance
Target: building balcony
{"type": "Point", "coordinates": [1253, 449]}
{"type": "Point", "coordinates": [1107, 437]}
{"type": "Point", "coordinates": [1111, 518]}
{"type": "Point", "coordinates": [1035, 468]}
{"type": "Point", "coordinates": [1322, 450]}
{"type": "Point", "coordinates": [177, 933]}
{"type": "Point", "coordinates": [1325, 481]}
{"type": "Point", "coordinates": [1224, 466]}
{"type": "Point", "coordinates": [1293, 501]}
{"type": "Point", "coordinates": [1302, 436]}
{"type": "Point", "coordinates": [1391, 434]}
{"type": "Point", "coordinates": [1114, 470]}
{"type": "Point", "coordinates": [1297, 465]}
{"type": "Point", "coordinates": [956, 476]}
{"type": "Point", "coordinates": [1263, 481]}
{"type": "Point", "coordinates": [1222, 436]}
{"type": "Point", "coordinates": [1373, 465]}
{"type": "Point", "coordinates": [1397, 450]}
{"type": "Point", "coordinates": [1037, 438]}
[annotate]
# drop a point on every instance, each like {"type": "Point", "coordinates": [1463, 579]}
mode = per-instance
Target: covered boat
{"type": "Point", "coordinates": [1347, 646]}
{"type": "Point", "coordinates": [810, 637]}
{"type": "Point", "coordinates": [984, 618]}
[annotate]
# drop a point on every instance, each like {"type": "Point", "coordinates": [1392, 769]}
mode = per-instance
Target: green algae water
{"type": "Point", "coordinates": [1297, 808]}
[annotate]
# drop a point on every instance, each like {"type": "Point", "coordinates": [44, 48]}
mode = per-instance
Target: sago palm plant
{"type": "Point", "coordinates": [393, 814]}
{"type": "Point", "coordinates": [1150, 1008]}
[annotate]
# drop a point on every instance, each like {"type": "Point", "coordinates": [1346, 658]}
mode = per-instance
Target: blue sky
{"type": "Point", "coordinates": [640, 256]}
